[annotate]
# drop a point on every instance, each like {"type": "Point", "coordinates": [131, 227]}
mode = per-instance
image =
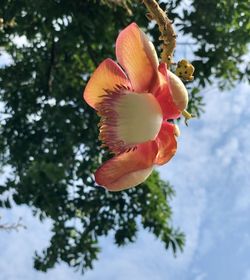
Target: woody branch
{"type": "Point", "coordinates": [168, 35]}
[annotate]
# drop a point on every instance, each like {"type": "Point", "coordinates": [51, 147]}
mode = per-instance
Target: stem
{"type": "Point", "coordinates": [168, 36]}
{"type": "Point", "coordinates": [187, 116]}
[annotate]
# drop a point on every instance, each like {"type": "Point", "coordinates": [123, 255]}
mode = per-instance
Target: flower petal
{"type": "Point", "coordinates": [127, 169]}
{"type": "Point", "coordinates": [137, 55]}
{"type": "Point", "coordinates": [106, 77]}
{"type": "Point", "coordinates": [167, 144]}
{"type": "Point", "coordinates": [172, 95]}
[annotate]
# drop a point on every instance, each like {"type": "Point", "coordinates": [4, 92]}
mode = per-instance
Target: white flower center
{"type": "Point", "coordinates": [139, 118]}
{"type": "Point", "coordinates": [128, 119]}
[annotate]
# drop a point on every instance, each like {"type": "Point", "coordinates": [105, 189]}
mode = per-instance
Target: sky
{"type": "Point", "coordinates": [210, 174]}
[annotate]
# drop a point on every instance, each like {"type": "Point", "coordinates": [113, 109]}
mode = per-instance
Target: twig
{"type": "Point", "coordinates": [51, 66]}
{"type": "Point", "coordinates": [92, 55]}
{"type": "Point", "coordinates": [168, 36]}
{"type": "Point", "coordinates": [121, 3]}
{"type": "Point", "coordinates": [16, 226]}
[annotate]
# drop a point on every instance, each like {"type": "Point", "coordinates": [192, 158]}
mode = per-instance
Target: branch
{"type": "Point", "coordinates": [168, 36]}
{"type": "Point", "coordinates": [91, 54]}
{"type": "Point", "coordinates": [16, 226]}
{"type": "Point", "coordinates": [51, 66]}
{"type": "Point", "coordinates": [90, 51]}
{"type": "Point", "coordinates": [122, 3]}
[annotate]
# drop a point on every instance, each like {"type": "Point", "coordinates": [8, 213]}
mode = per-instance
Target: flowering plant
{"type": "Point", "coordinates": [135, 101]}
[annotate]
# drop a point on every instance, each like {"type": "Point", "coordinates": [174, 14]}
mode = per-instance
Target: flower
{"type": "Point", "coordinates": [134, 102]}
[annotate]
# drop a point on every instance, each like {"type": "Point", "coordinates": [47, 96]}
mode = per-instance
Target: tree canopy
{"type": "Point", "coordinates": [49, 136]}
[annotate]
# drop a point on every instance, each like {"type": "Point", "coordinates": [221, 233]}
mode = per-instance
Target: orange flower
{"type": "Point", "coordinates": [134, 105]}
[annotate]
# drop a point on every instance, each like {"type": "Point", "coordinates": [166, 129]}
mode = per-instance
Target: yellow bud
{"type": "Point", "coordinates": [185, 70]}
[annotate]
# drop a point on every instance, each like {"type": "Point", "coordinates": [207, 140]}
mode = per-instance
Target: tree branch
{"type": "Point", "coordinates": [16, 226]}
{"type": "Point", "coordinates": [51, 65]}
{"type": "Point", "coordinates": [168, 36]}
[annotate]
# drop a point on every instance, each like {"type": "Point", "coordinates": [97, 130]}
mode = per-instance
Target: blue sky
{"type": "Point", "coordinates": [210, 174]}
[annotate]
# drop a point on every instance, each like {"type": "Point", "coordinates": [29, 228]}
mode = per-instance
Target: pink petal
{"type": "Point", "coordinates": [128, 169]}
{"type": "Point", "coordinates": [137, 55]}
{"type": "Point", "coordinates": [172, 94]}
{"type": "Point", "coordinates": [167, 144]}
{"type": "Point", "coordinates": [106, 77]}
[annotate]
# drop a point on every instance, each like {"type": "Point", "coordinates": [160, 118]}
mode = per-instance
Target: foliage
{"type": "Point", "coordinates": [222, 37]}
{"type": "Point", "coordinates": [49, 135]}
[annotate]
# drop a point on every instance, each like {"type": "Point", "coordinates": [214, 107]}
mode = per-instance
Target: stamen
{"type": "Point", "coordinates": [128, 119]}
{"type": "Point", "coordinates": [187, 116]}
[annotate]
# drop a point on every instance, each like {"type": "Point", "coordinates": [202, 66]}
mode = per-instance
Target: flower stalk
{"type": "Point", "coordinates": [168, 35]}
{"type": "Point", "coordinates": [187, 116]}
